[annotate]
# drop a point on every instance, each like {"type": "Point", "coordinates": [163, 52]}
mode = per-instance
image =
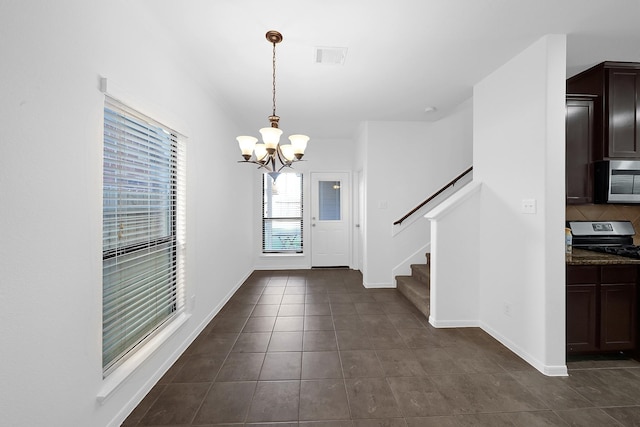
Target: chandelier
{"type": "Point", "coordinates": [270, 154]}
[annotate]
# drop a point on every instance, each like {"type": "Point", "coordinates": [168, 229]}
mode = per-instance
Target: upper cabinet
{"type": "Point", "coordinates": [616, 121]}
{"type": "Point", "coordinates": [623, 132]}
{"type": "Point", "coordinates": [579, 140]}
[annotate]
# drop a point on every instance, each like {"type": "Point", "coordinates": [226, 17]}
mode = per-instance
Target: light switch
{"type": "Point", "coordinates": [528, 206]}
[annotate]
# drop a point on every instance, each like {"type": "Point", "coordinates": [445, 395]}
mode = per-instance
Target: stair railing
{"type": "Point", "coordinates": [436, 194]}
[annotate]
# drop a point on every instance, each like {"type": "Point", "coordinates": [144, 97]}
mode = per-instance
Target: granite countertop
{"type": "Point", "coordinates": [585, 257]}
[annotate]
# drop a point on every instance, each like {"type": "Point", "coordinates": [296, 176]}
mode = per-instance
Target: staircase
{"type": "Point", "coordinates": [416, 287]}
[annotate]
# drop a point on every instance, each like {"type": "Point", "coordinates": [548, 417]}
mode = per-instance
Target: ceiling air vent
{"type": "Point", "coordinates": [330, 55]}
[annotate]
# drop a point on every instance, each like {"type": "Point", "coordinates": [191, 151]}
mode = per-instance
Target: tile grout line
{"type": "Point", "coordinates": [302, 352]}
{"type": "Point", "coordinates": [344, 379]}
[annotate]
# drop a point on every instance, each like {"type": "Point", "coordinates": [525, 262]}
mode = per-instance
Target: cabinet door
{"type": "Point", "coordinates": [623, 130]}
{"type": "Point", "coordinates": [579, 140]}
{"type": "Point", "coordinates": [618, 316]}
{"type": "Point", "coordinates": [581, 318]}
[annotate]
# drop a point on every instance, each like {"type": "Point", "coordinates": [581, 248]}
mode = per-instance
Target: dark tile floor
{"type": "Point", "coordinates": [314, 348]}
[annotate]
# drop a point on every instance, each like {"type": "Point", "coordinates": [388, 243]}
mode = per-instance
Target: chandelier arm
{"type": "Point", "coordinates": [264, 165]}
{"type": "Point", "coordinates": [283, 160]}
{"type": "Point", "coordinates": [286, 165]}
{"type": "Point", "coordinates": [261, 165]}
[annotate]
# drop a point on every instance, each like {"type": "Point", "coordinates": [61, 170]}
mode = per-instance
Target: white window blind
{"type": "Point", "coordinates": [282, 213]}
{"type": "Point", "coordinates": [143, 230]}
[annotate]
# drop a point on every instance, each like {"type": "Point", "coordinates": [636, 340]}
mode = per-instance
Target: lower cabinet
{"type": "Point", "coordinates": [618, 316]}
{"type": "Point", "coordinates": [601, 308]}
{"type": "Point", "coordinates": [581, 318]}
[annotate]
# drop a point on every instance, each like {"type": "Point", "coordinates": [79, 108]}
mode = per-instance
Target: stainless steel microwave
{"type": "Point", "coordinates": [617, 181]}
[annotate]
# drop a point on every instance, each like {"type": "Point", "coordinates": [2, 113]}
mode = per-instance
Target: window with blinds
{"type": "Point", "coordinates": [143, 230]}
{"type": "Point", "coordinates": [282, 213]}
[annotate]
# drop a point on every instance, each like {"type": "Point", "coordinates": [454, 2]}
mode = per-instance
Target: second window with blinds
{"type": "Point", "coordinates": [282, 214]}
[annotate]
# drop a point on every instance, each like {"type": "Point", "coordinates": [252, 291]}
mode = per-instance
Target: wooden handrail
{"type": "Point", "coordinates": [436, 194]}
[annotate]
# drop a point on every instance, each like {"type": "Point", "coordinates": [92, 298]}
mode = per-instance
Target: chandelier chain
{"type": "Point", "coordinates": [274, 79]}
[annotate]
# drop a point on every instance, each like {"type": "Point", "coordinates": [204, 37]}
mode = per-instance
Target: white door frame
{"type": "Point", "coordinates": [356, 221]}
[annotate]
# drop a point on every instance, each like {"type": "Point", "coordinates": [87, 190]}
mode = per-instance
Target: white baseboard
{"type": "Point", "coordinates": [549, 370]}
{"type": "Point", "coordinates": [418, 257]}
{"type": "Point", "coordinates": [453, 323]}
{"type": "Point", "coordinates": [378, 285]}
{"type": "Point", "coordinates": [282, 267]}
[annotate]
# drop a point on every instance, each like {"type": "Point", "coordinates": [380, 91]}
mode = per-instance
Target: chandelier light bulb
{"type": "Point", "coordinates": [271, 137]}
{"type": "Point", "coordinates": [299, 143]}
{"type": "Point", "coordinates": [261, 152]}
{"type": "Point", "coordinates": [287, 152]}
{"type": "Point", "coordinates": [246, 145]}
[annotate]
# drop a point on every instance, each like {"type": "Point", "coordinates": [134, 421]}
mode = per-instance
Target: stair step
{"type": "Point", "coordinates": [415, 291]}
{"type": "Point", "coordinates": [421, 273]}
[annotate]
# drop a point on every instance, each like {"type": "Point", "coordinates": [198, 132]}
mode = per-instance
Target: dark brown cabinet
{"type": "Point", "coordinates": [601, 308]}
{"type": "Point", "coordinates": [617, 107]}
{"type": "Point", "coordinates": [579, 146]}
{"type": "Point", "coordinates": [581, 318]}
{"type": "Point", "coordinates": [624, 87]}
{"type": "Point", "coordinates": [617, 325]}
{"type": "Point", "coordinates": [582, 296]}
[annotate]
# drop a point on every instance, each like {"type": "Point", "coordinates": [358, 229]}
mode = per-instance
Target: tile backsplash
{"type": "Point", "coordinates": [606, 212]}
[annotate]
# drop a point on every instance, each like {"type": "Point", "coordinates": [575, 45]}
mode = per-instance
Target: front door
{"type": "Point", "coordinates": [330, 219]}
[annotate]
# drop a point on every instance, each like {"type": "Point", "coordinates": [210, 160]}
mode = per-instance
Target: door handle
{"type": "Point", "coordinates": [313, 225]}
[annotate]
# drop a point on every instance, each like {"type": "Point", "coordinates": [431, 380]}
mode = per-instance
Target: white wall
{"type": "Point", "coordinates": [406, 162]}
{"type": "Point", "coordinates": [325, 155]}
{"type": "Point", "coordinates": [519, 154]}
{"type": "Point", "coordinates": [50, 187]}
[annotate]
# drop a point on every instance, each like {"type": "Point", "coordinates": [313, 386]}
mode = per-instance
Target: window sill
{"type": "Point", "coordinates": [282, 255]}
{"type": "Point", "coordinates": [118, 376]}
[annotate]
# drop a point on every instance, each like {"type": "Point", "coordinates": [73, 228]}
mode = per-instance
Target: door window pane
{"type": "Point", "coordinates": [329, 200]}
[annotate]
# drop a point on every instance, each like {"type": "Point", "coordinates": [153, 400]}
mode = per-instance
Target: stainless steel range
{"type": "Point", "coordinates": [613, 237]}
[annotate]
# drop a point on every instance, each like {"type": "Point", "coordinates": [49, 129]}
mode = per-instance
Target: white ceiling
{"type": "Point", "coordinates": [403, 55]}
